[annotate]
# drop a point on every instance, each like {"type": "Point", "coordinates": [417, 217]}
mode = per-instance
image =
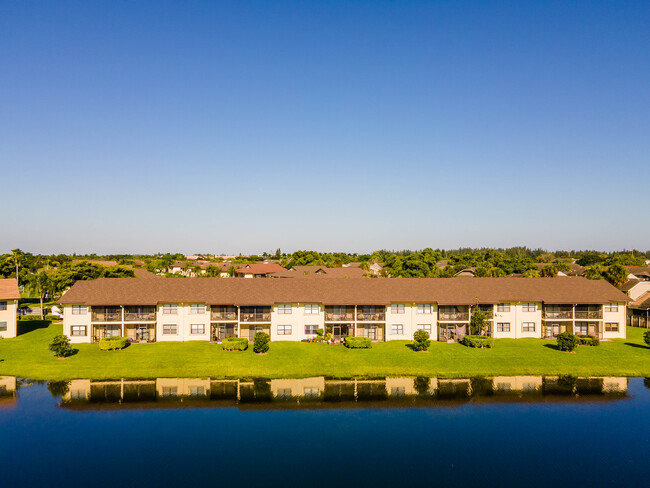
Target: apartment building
{"type": "Point", "coordinates": [9, 296]}
{"type": "Point", "coordinates": [210, 309]}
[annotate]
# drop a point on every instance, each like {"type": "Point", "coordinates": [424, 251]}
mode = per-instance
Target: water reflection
{"type": "Point", "coordinates": [322, 392]}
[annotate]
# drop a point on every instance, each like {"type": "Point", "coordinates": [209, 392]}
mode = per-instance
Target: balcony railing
{"type": "Point", "coordinates": [255, 317]}
{"type": "Point", "coordinates": [347, 316]}
{"type": "Point", "coordinates": [376, 316]}
{"type": "Point", "coordinates": [459, 316]}
{"type": "Point", "coordinates": [589, 314]}
{"type": "Point", "coordinates": [139, 316]}
{"type": "Point", "coordinates": [562, 314]}
{"type": "Point", "coordinates": [112, 316]}
{"type": "Point", "coordinates": [224, 315]}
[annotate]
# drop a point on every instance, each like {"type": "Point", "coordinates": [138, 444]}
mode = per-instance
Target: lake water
{"type": "Point", "coordinates": [505, 431]}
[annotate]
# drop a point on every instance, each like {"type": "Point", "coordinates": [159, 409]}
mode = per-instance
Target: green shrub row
{"type": "Point", "coordinates": [234, 344]}
{"type": "Point", "coordinates": [358, 343]}
{"type": "Point", "coordinates": [478, 341]}
{"type": "Point", "coordinates": [33, 318]}
{"type": "Point", "coordinates": [588, 340]}
{"type": "Point", "coordinates": [112, 343]}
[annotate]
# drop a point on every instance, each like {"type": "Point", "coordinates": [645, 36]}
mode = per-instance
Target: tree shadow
{"type": "Point", "coordinates": [27, 326]}
{"type": "Point", "coordinates": [641, 346]}
{"type": "Point", "coordinates": [552, 346]}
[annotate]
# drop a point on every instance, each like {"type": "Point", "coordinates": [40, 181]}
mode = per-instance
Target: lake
{"type": "Point", "coordinates": [503, 431]}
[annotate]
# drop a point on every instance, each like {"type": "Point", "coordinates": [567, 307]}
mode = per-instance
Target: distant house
{"type": "Point", "coordinates": [638, 311]}
{"type": "Point", "coordinates": [320, 272]}
{"type": "Point", "coordinates": [9, 296]}
{"type": "Point", "coordinates": [638, 273]}
{"type": "Point", "coordinates": [258, 270]}
{"type": "Point", "coordinates": [466, 273]}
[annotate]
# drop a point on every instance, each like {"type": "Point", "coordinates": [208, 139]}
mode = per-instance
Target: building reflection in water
{"type": "Point", "coordinates": [321, 392]}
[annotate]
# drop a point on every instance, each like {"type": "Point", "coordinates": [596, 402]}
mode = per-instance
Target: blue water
{"type": "Point", "coordinates": [541, 440]}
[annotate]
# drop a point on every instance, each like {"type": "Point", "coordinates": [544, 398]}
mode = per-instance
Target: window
{"type": "Point", "coordinates": [611, 327]}
{"type": "Point", "coordinates": [503, 326]}
{"type": "Point", "coordinates": [424, 308]}
{"type": "Point", "coordinates": [79, 310]}
{"type": "Point", "coordinates": [397, 329]}
{"type": "Point", "coordinates": [284, 393]}
{"type": "Point", "coordinates": [3, 306]}
{"type": "Point", "coordinates": [397, 308]}
{"type": "Point", "coordinates": [170, 309]}
{"type": "Point", "coordinates": [197, 329]}
{"type": "Point", "coordinates": [169, 391]}
{"type": "Point", "coordinates": [611, 307]}
{"type": "Point", "coordinates": [398, 391]}
{"type": "Point", "coordinates": [528, 327]}
{"type": "Point", "coordinates": [581, 328]}
{"type": "Point", "coordinates": [78, 330]}
{"type": "Point", "coordinates": [310, 329]}
{"type": "Point", "coordinates": [170, 329]}
{"type": "Point", "coordinates": [312, 309]}
{"type": "Point", "coordinates": [284, 309]}
{"type": "Point", "coordinates": [77, 394]}
{"type": "Point", "coordinates": [503, 307]}
{"type": "Point", "coordinates": [528, 307]}
{"type": "Point", "coordinates": [3, 326]}
{"type": "Point", "coordinates": [284, 330]}
{"type": "Point", "coordinates": [425, 327]}
{"type": "Point", "coordinates": [197, 308]}
{"type": "Point", "coordinates": [197, 391]}
{"type": "Point", "coordinates": [311, 391]}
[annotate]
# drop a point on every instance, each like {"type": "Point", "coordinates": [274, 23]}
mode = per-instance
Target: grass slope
{"type": "Point", "coordinates": [28, 356]}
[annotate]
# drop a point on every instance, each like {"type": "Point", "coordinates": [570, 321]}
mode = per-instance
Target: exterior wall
{"type": "Point", "coordinates": [69, 320]}
{"type": "Point", "coordinates": [618, 317]}
{"type": "Point", "coordinates": [183, 320]}
{"type": "Point", "coordinates": [410, 319]}
{"type": "Point", "coordinates": [303, 387]}
{"type": "Point", "coordinates": [9, 316]}
{"type": "Point", "coordinates": [516, 317]}
{"type": "Point", "coordinates": [297, 319]}
{"type": "Point", "coordinates": [639, 289]}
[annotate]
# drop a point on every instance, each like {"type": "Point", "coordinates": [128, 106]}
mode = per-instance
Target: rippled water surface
{"type": "Point", "coordinates": [503, 431]}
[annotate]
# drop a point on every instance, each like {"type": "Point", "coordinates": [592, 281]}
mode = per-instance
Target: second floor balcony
{"type": "Point", "coordinates": [371, 313]}
{"type": "Point", "coordinates": [453, 313]}
{"type": "Point", "coordinates": [106, 314]}
{"type": "Point", "coordinates": [339, 314]}
{"type": "Point", "coordinates": [588, 312]}
{"type": "Point", "coordinates": [140, 313]}
{"type": "Point", "coordinates": [255, 314]}
{"type": "Point", "coordinates": [558, 312]}
{"type": "Point", "coordinates": [223, 312]}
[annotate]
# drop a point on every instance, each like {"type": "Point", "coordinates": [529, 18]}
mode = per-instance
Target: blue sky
{"type": "Point", "coordinates": [246, 126]}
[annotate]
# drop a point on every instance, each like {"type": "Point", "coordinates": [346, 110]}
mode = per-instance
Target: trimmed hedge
{"type": "Point", "coordinates": [566, 341]}
{"type": "Point", "coordinates": [421, 340]}
{"type": "Point", "coordinates": [588, 340]}
{"type": "Point", "coordinates": [358, 343]}
{"type": "Point", "coordinates": [646, 337]}
{"type": "Point", "coordinates": [234, 344]}
{"type": "Point", "coordinates": [33, 318]}
{"type": "Point", "coordinates": [112, 343]}
{"type": "Point", "coordinates": [261, 342]}
{"type": "Point", "coordinates": [478, 341]}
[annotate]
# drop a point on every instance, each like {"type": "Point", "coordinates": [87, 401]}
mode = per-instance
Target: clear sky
{"type": "Point", "coordinates": [247, 126]}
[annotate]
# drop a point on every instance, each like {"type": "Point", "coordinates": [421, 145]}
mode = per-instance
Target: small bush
{"type": "Point", "coordinates": [358, 343]}
{"type": "Point", "coordinates": [33, 318]}
{"type": "Point", "coordinates": [588, 340]}
{"type": "Point", "coordinates": [479, 341]}
{"type": "Point", "coordinates": [646, 337]}
{"type": "Point", "coordinates": [261, 342]}
{"type": "Point", "coordinates": [234, 344]}
{"type": "Point", "coordinates": [60, 346]}
{"type": "Point", "coordinates": [566, 341]}
{"type": "Point", "coordinates": [421, 340]}
{"type": "Point", "coordinates": [112, 343]}
{"type": "Point", "coordinates": [52, 318]}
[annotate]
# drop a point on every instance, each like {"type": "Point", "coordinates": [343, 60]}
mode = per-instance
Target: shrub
{"type": "Point", "coordinates": [566, 341]}
{"type": "Point", "coordinates": [646, 337]}
{"type": "Point", "coordinates": [358, 343]}
{"type": "Point", "coordinates": [60, 346]}
{"type": "Point", "coordinates": [261, 342]}
{"type": "Point", "coordinates": [479, 341]}
{"type": "Point", "coordinates": [112, 343]}
{"type": "Point", "coordinates": [588, 340]}
{"type": "Point", "coordinates": [52, 318]}
{"type": "Point", "coordinates": [34, 318]}
{"type": "Point", "coordinates": [421, 340]}
{"type": "Point", "coordinates": [234, 344]}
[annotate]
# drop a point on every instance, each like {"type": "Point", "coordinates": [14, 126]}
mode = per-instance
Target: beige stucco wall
{"type": "Point", "coordinates": [297, 319]}
{"type": "Point", "coordinates": [69, 320]}
{"type": "Point", "coordinates": [639, 289]}
{"type": "Point", "coordinates": [516, 317]}
{"type": "Point", "coordinates": [183, 319]}
{"type": "Point", "coordinates": [315, 386]}
{"type": "Point", "coordinates": [9, 316]}
{"type": "Point", "coordinates": [618, 317]}
{"type": "Point", "coordinates": [410, 319]}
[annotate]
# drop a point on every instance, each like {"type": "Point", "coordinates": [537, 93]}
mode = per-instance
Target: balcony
{"type": "Point", "coordinates": [589, 314]}
{"type": "Point", "coordinates": [371, 314]}
{"type": "Point", "coordinates": [454, 316]}
{"type": "Point", "coordinates": [338, 314]}
{"type": "Point", "coordinates": [558, 314]}
{"type": "Point", "coordinates": [108, 314]}
{"type": "Point", "coordinates": [216, 315]}
{"type": "Point", "coordinates": [139, 314]}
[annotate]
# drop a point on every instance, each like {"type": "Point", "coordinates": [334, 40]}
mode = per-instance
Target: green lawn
{"type": "Point", "coordinates": [28, 356]}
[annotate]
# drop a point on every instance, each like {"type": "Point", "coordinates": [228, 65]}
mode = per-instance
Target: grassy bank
{"type": "Point", "coordinates": [28, 356]}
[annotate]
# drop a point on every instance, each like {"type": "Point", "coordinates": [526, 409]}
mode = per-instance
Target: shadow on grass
{"type": "Point", "coordinates": [552, 346]}
{"type": "Point", "coordinates": [27, 326]}
{"type": "Point", "coordinates": [641, 346]}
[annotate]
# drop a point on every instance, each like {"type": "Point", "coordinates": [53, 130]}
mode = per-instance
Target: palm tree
{"type": "Point", "coordinates": [18, 256]}
{"type": "Point", "coordinates": [43, 283]}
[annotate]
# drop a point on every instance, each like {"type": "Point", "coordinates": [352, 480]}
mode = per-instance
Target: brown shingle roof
{"type": "Point", "coordinates": [9, 289]}
{"type": "Point", "coordinates": [642, 302]}
{"type": "Point", "coordinates": [260, 268]}
{"type": "Point", "coordinates": [320, 272]}
{"type": "Point", "coordinates": [629, 285]}
{"type": "Point", "coordinates": [444, 291]}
